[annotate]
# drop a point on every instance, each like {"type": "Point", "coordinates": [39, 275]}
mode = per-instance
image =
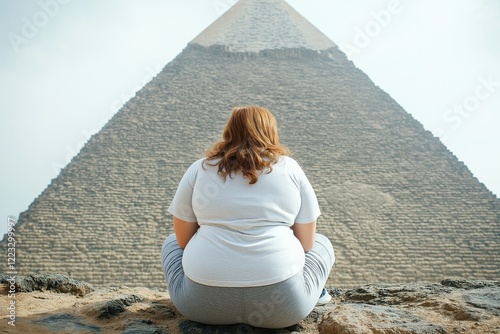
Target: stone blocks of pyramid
{"type": "Point", "coordinates": [396, 204]}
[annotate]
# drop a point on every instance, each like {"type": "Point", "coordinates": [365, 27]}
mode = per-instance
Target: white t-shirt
{"type": "Point", "coordinates": [244, 237]}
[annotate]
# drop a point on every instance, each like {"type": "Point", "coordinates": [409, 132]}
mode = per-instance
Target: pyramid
{"type": "Point", "coordinates": [396, 204]}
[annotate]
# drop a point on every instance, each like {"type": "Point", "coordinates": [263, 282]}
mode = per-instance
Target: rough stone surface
{"type": "Point", "coordinates": [57, 283]}
{"type": "Point", "coordinates": [416, 308]}
{"type": "Point", "coordinates": [118, 305]}
{"type": "Point", "coordinates": [190, 327]}
{"type": "Point", "coordinates": [143, 327]}
{"type": "Point", "coordinates": [66, 323]}
{"type": "Point", "coordinates": [363, 318]}
{"type": "Point", "coordinates": [467, 285]}
{"type": "Point", "coordinates": [396, 204]}
{"type": "Point", "coordinates": [454, 306]}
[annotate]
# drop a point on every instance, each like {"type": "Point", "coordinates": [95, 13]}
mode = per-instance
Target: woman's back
{"type": "Point", "coordinates": [245, 237]}
{"type": "Point", "coordinates": [245, 248]}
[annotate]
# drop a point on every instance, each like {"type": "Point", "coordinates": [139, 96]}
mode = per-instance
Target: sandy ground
{"type": "Point", "coordinates": [156, 308]}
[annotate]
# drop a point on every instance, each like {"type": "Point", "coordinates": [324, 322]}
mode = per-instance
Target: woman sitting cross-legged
{"type": "Point", "coordinates": [245, 248]}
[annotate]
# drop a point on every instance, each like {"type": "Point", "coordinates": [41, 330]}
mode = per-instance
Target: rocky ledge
{"type": "Point", "coordinates": [59, 304]}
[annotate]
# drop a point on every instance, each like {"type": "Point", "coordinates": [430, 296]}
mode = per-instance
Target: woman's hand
{"type": "Point", "coordinates": [184, 231]}
{"type": "Point", "coordinates": [306, 233]}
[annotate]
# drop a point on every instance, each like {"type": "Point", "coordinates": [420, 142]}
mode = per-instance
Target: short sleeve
{"type": "Point", "coordinates": [181, 205]}
{"type": "Point", "coordinates": [309, 207]}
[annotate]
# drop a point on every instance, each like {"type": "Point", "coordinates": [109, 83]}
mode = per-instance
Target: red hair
{"type": "Point", "coordinates": [249, 144]}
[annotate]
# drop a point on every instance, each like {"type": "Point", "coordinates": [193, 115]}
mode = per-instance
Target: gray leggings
{"type": "Point", "coordinates": [277, 305]}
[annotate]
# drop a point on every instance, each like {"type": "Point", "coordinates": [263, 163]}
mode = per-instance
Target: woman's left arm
{"type": "Point", "coordinates": [184, 231]}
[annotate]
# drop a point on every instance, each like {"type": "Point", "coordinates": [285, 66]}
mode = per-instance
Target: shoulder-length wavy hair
{"type": "Point", "coordinates": [249, 145]}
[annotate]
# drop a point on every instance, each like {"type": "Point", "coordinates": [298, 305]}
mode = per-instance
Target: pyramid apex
{"type": "Point", "coordinates": [255, 25]}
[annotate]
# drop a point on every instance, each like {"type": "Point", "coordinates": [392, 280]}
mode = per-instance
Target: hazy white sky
{"type": "Point", "coordinates": [66, 66]}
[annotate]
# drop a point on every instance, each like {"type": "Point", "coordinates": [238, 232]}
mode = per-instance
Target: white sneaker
{"type": "Point", "coordinates": [324, 298]}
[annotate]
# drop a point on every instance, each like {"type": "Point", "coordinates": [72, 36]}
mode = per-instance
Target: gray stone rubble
{"type": "Point", "coordinates": [454, 306]}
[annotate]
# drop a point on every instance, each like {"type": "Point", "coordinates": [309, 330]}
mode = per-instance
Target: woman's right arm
{"type": "Point", "coordinates": [306, 233]}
